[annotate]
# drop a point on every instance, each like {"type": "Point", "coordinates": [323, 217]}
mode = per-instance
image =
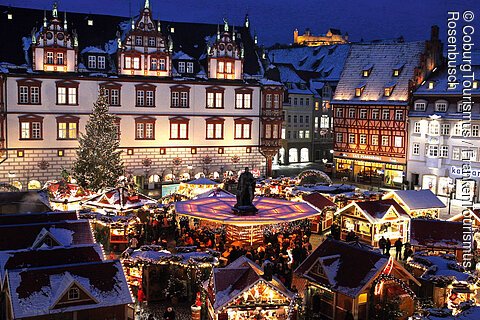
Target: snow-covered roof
{"type": "Point", "coordinates": [342, 267]}
{"type": "Point", "coordinates": [326, 60]}
{"type": "Point", "coordinates": [203, 181]}
{"type": "Point", "coordinates": [416, 199]}
{"type": "Point", "coordinates": [180, 55]}
{"type": "Point", "coordinates": [120, 199]}
{"type": "Point", "coordinates": [443, 268]}
{"type": "Point", "coordinates": [42, 291]}
{"type": "Point", "coordinates": [375, 211]}
{"type": "Point", "coordinates": [215, 193]}
{"type": "Point", "coordinates": [437, 234]}
{"type": "Point", "coordinates": [383, 58]}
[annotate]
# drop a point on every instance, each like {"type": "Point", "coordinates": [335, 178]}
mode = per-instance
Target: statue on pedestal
{"type": "Point", "coordinates": [245, 194]}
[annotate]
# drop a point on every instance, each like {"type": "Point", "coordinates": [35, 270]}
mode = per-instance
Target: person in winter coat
{"type": "Point", "coordinates": [382, 243]}
{"type": "Point", "coordinates": [388, 246]}
{"type": "Point", "coordinates": [398, 249]}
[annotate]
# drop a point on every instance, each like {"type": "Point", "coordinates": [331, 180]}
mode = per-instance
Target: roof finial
{"type": "Point", "coordinates": [218, 32]}
{"type": "Point", "coordinates": [147, 4]}
{"type": "Point", "coordinates": [225, 26]}
{"type": "Point", "coordinates": [255, 38]}
{"type": "Point", "coordinates": [133, 24]}
{"type": "Point", "coordinates": [233, 33]}
{"type": "Point", "coordinates": [44, 18]}
{"type": "Point", "coordinates": [65, 25]}
{"type": "Point", "coordinates": [159, 28]}
{"type": "Point", "coordinates": [55, 10]}
{"type": "Point", "coordinates": [247, 22]}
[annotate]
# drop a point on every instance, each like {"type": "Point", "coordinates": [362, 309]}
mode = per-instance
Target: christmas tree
{"type": "Point", "coordinates": [98, 164]}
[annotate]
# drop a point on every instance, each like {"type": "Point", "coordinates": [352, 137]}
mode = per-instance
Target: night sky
{"type": "Point", "coordinates": [274, 21]}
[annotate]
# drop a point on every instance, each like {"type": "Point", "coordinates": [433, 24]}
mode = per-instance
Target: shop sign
{"type": "Point", "coordinates": [457, 172]}
{"type": "Point", "coordinates": [367, 157]}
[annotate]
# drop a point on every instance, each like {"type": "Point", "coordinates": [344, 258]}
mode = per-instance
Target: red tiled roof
{"type": "Point", "coordinates": [436, 233]}
{"type": "Point", "coordinates": [29, 218]}
{"type": "Point", "coordinates": [318, 200]}
{"type": "Point", "coordinates": [356, 266]}
{"type": "Point", "coordinates": [15, 237]}
{"type": "Point", "coordinates": [378, 208]}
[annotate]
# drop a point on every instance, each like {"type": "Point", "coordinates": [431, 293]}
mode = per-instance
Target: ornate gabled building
{"type": "Point", "coordinates": [225, 56]}
{"type": "Point", "coordinates": [370, 108]}
{"type": "Point", "coordinates": [54, 47]}
{"type": "Point", "coordinates": [181, 92]}
{"type": "Point", "coordinates": [144, 50]}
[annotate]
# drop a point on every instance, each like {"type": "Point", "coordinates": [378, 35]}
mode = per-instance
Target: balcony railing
{"type": "Point", "coordinates": [272, 113]}
{"type": "Point", "coordinates": [270, 142]}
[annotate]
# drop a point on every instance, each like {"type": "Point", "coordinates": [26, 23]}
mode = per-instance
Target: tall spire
{"type": "Point", "coordinates": [225, 24]}
{"type": "Point", "coordinates": [44, 18]}
{"type": "Point", "coordinates": [55, 10]}
{"type": "Point", "coordinates": [247, 21]}
{"type": "Point", "coordinates": [65, 25]}
{"type": "Point", "coordinates": [147, 4]}
{"type": "Point", "coordinates": [233, 33]}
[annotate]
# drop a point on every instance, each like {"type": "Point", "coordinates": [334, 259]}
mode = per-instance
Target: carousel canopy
{"type": "Point", "coordinates": [270, 210]}
{"type": "Point", "coordinates": [120, 199]}
{"type": "Point", "coordinates": [215, 193]}
{"type": "Point", "coordinates": [202, 181]}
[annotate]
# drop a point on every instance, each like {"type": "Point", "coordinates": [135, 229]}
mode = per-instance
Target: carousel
{"type": "Point", "coordinates": [244, 217]}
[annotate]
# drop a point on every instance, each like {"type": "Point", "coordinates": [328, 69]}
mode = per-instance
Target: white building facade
{"type": "Point", "coordinates": [172, 122]}
{"type": "Point", "coordinates": [440, 139]}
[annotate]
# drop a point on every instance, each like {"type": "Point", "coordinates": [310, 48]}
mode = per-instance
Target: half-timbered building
{"type": "Point", "coordinates": [181, 92]}
{"type": "Point", "coordinates": [371, 105]}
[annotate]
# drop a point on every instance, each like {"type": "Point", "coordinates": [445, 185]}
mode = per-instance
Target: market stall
{"type": "Point", "coordinates": [66, 196]}
{"type": "Point", "coordinates": [247, 229]}
{"type": "Point", "coordinates": [121, 201]}
{"type": "Point", "coordinates": [198, 186]}
{"type": "Point", "coordinates": [161, 274]}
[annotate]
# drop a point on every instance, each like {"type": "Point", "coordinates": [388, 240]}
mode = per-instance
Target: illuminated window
{"type": "Point", "coordinates": [49, 57]}
{"type": "Point", "coordinates": [475, 85]}
{"type": "Point", "coordinates": [179, 128]}
{"type": "Point", "coordinates": [434, 128]}
{"type": "Point", "coordinates": [60, 58]}
{"type": "Point", "coordinates": [363, 139]}
{"type": "Point", "coordinates": [215, 128]}
{"type": "Point", "coordinates": [145, 128]}
{"type": "Point", "coordinates": [215, 97]}
{"type": "Point", "coordinates": [351, 138]}
{"type": "Point", "coordinates": [162, 65]}
{"type": "Point", "coordinates": [243, 128]}
{"type": "Point", "coordinates": [385, 141]}
{"type": "Point", "coordinates": [67, 127]}
{"type": "Point", "coordinates": [359, 90]}
{"type": "Point", "coordinates": [67, 92]}
{"type": "Point", "coordinates": [375, 114]}
{"type": "Point", "coordinates": [221, 67]}
{"type": "Point", "coordinates": [375, 140]}
{"type": "Point", "coordinates": [31, 127]}
{"type": "Point", "coordinates": [387, 91]}
{"type": "Point", "coordinates": [363, 114]}
{"type": "Point", "coordinates": [431, 84]}
{"type": "Point", "coordinates": [362, 298]}
{"type": "Point", "coordinates": [398, 142]}
{"type": "Point", "coordinates": [399, 115]}
{"type": "Point", "coordinates": [351, 113]}
{"type": "Point", "coordinates": [243, 98]}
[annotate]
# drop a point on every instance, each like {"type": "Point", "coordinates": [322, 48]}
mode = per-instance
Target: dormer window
{"type": "Point", "coordinates": [138, 40]}
{"type": "Point", "coordinates": [431, 84]}
{"type": "Point", "coordinates": [397, 69]}
{"type": "Point", "coordinates": [367, 70]}
{"type": "Point", "coordinates": [387, 91]}
{"type": "Point", "coordinates": [189, 67]}
{"type": "Point", "coordinates": [420, 106]}
{"type": "Point", "coordinates": [101, 62]}
{"type": "Point", "coordinates": [73, 294]}
{"type": "Point", "coordinates": [132, 63]}
{"type": "Point", "coordinates": [90, 22]}
{"type": "Point", "coordinates": [475, 84]}
{"type": "Point", "coordinates": [92, 62]}
{"type": "Point", "coordinates": [441, 106]}
{"type": "Point", "coordinates": [181, 67]}
{"type": "Point", "coordinates": [359, 90]}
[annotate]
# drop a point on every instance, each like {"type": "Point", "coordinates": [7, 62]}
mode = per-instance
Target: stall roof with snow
{"type": "Point", "coordinates": [28, 218]}
{"type": "Point", "coordinates": [35, 235]}
{"type": "Point", "coordinates": [378, 211]}
{"type": "Point", "coordinates": [24, 202]}
{"type": "Point", "coordinates": [319, 201]}
{"type": "Point", "coordinates": [347, 268]}
{"type": "Point", "coordinates": [436, 234]}
{"type": "Point", "coordinates": [270, 211]}
{"type": "Point", "coordinates": [439, 267]}
{"type": "Point", "coordinates": [44, 290]}
{"type": "Point", "coordinates": [121, 200]}
{"type": "Point", "coordinates": [412, 200]}
{"type": "Point", "coordinates": [229, 283]}
{"type": "Point", "coordinates": [48, 256]}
